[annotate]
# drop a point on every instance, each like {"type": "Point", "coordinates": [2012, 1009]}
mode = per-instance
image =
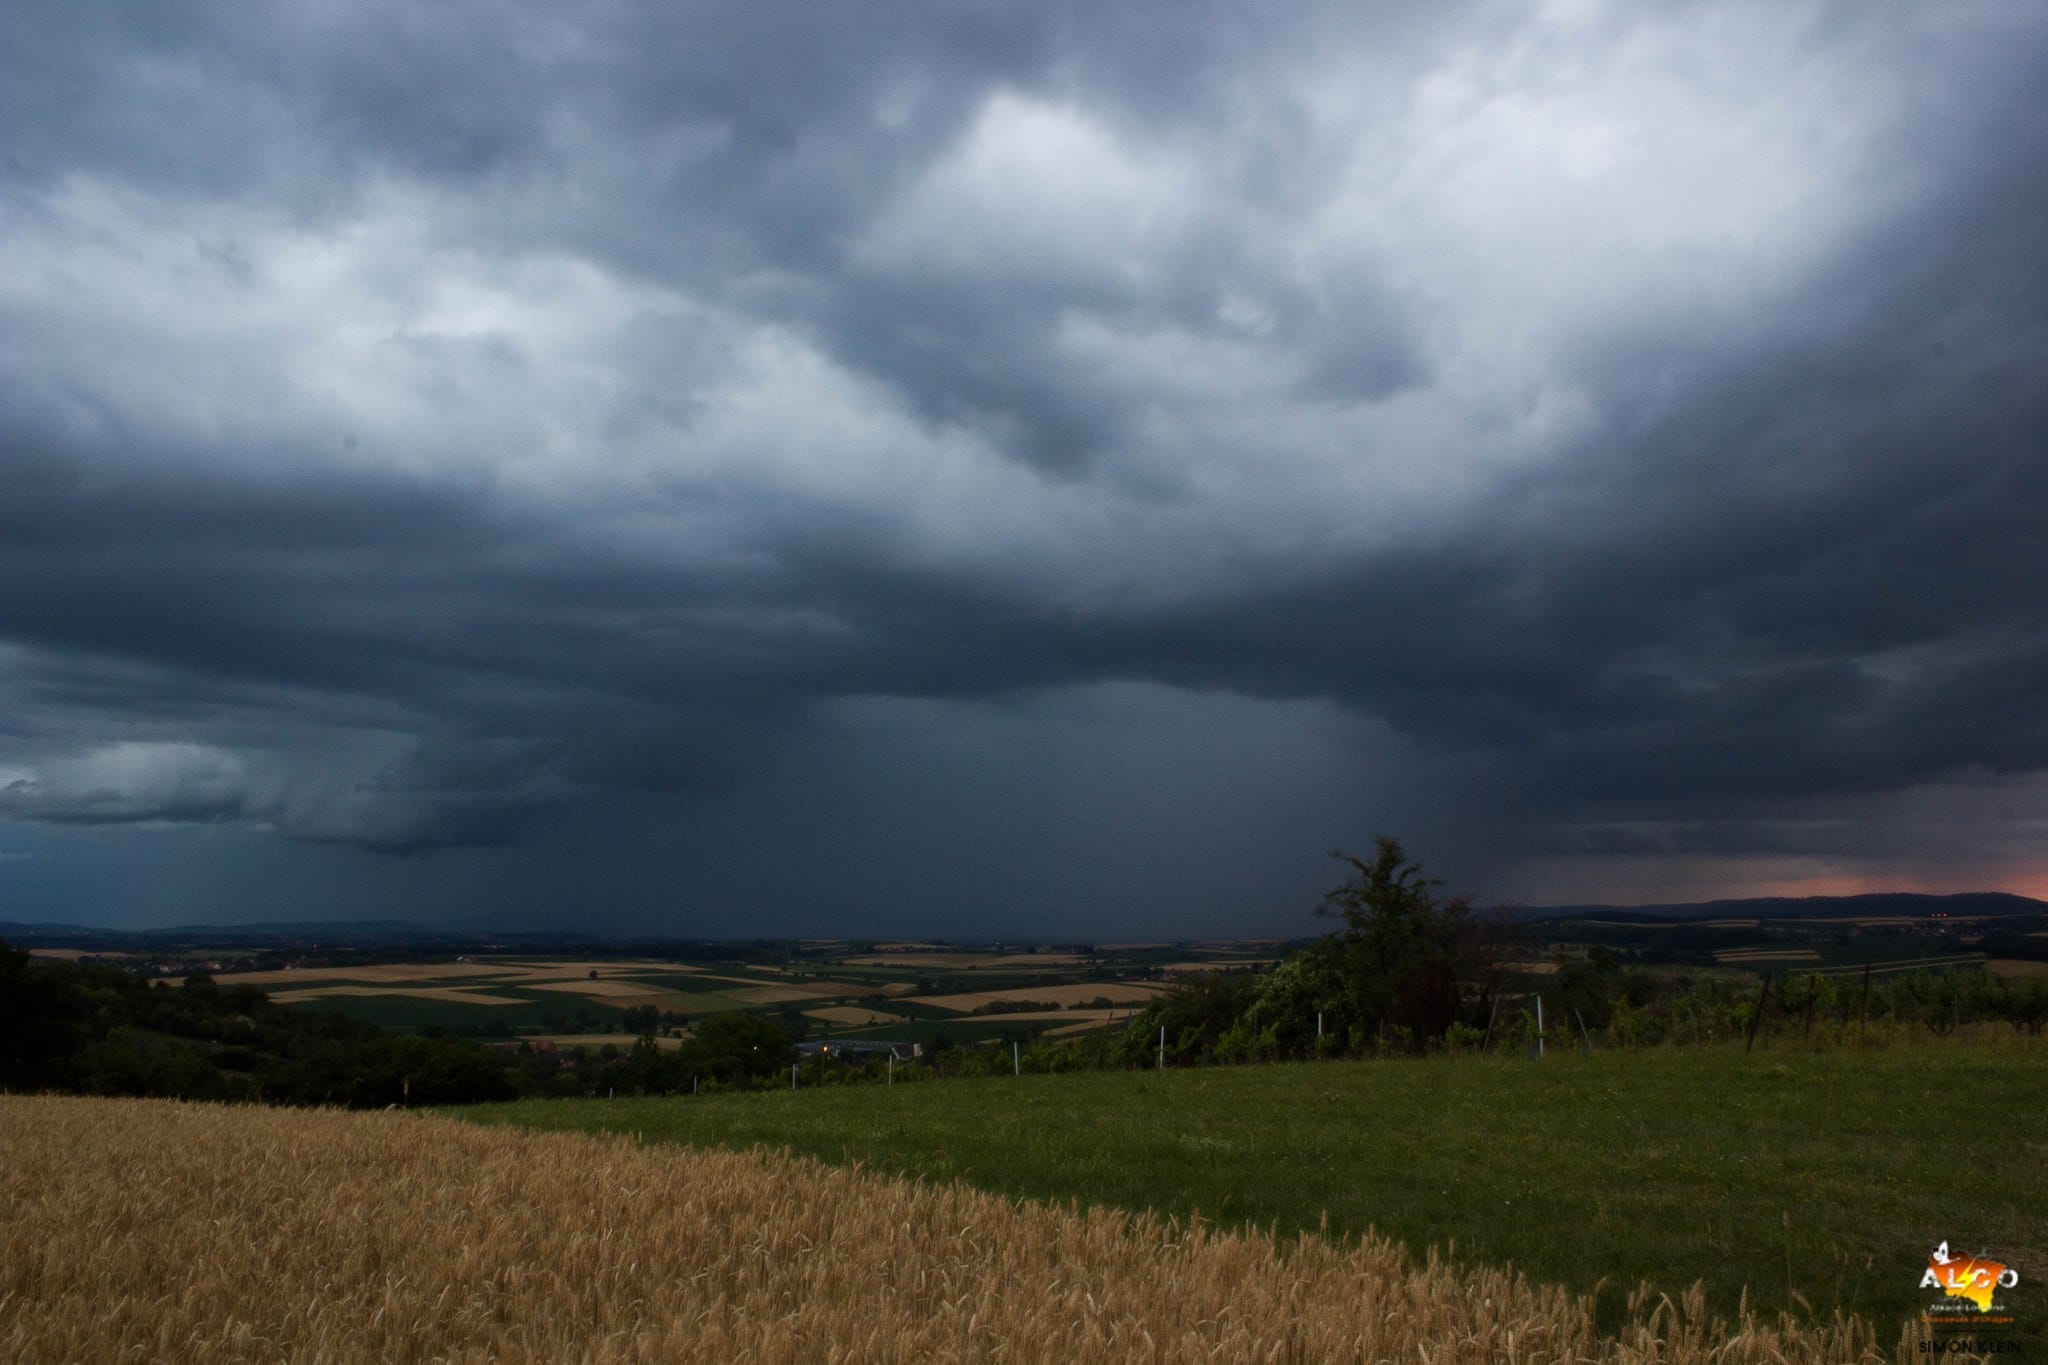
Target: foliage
{"type": "Point", "coordinates": [99, 1030]}
{"type": "Point", "coordinates": [1402, 950]}
{"type": "Point", "coordinates": [1409, 971]}
{"type": "Point", "coordinates": [735, 1047]}
{"type": "Point", "coordinates": [1300, 1002]}
{"type": "Point", "coordinates": [1195, 1019]}
{"type": "Point", "coordinates": [1390, 980]}
{"type": "Point", "coordinates": [730, 1049]}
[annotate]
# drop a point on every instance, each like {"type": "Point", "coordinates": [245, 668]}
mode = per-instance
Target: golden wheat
{"type": "Point", "coordinates": [155, 1231]}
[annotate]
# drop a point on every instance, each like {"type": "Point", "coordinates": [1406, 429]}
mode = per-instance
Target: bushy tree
{"type": "Point", "coordinates": [736, 1047]}
{"type": "Point", "coordinates": [1288, 998]}
{"type": "Point", "coordinates": [1196, 1015]}
{"type": "Point", "coordinates": [1402, 950]}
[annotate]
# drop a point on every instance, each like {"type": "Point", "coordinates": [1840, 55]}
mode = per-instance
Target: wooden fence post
{"type": "Point", "coordinates": [1756, 1019]}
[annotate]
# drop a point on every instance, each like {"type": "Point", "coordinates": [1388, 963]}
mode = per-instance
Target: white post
{"type": "Point", "coordinates": [1539, 1026]}
{"type": "Point", "coordinates": [1319, 1026]}
{"type": "Point", "coordinates": [892, 1069]}
{"type": "Point", "coordinates": [792, 1074]}
{"type": "Point", "coordinates": [1162, 1047]}
{"type": "Point", "coordinates": [1016, 1064]}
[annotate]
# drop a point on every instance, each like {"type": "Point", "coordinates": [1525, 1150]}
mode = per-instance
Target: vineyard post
{"type": "Point", "coordinates": [1756, 1018]}
{"type": "Point", "coordinates": [1806, 1029]}
{"type": "Point", "coordinates": [1586, 1043]}
{"type": "Point", "coordinates": [892, 1067]}
{"type": "Point", "coordinates": [1162, 1047]}
{"type": "Point", "coordinates": [1539, 1026]}
{"type": "Point", "coordinates": [1016, 1065]}
{"type": "Point", "coordinates": [792, 1074]}
{"type": "Point", "coordinates": [1863, 1011]}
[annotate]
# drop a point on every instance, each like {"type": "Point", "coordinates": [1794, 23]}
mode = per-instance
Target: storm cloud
{"type": "Point", "coordinates": [1015, 468]}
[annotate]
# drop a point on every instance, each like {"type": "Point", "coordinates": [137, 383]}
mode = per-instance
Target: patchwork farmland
{"type": "Point", "coordinates": [910, 993]}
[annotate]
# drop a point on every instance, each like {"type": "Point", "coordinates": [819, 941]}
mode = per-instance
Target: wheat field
{"type": "Point", "coordinates": [140, 1230]}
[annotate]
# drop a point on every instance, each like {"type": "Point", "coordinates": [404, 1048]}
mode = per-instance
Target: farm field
{"type": "Point", "coordinates": [1825, 1177]}
{"type": "Point", "coordinates": [446, 994]}
{"type": "Point", "coordinates": [853, 1016]}
{"type": "Point", "coordinates": [622, 1041]}
{"type": "Point", "coordinates": [939, 961]}
{"type": "Point", "coordinates": [931, 993]}
{"type": "Point", "coordinates": [832, 994]}
{"type": "Point", "coordinates": [1081, 994]}
{"type": "Point", "coordinates": [146, 1229]}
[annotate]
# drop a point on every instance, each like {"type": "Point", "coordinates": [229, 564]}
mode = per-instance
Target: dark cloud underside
{"type": "Point", "coordinates": [686, 456]}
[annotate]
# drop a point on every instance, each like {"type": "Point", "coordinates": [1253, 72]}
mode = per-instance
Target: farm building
{"type": "Point", "coordinates": [861, 1049]}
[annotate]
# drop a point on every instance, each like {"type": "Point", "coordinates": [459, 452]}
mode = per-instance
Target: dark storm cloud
{"type": "Point", "coordinates": [420, 426]}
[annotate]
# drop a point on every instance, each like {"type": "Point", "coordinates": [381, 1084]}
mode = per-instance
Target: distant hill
{"type": "Point", "coordinates": [1887, 904]}
{"type": "Point", "coordinates": [377, 935]}
{"type": "Point", "coordinates": [468, 935]}
{"type": "Point", "coordinates": [357, 932]}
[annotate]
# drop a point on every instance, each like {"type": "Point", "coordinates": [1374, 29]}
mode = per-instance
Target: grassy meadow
{"type": "Point", "coordinates": [1803, 1178]}
{"type": "Point", "coordinates": [164, 1231]}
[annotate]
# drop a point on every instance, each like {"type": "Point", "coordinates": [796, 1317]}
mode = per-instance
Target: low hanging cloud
{"type": "Point", "coordinates": [435, 430]}
{"type": "Point", "coordinates": [129, 783]}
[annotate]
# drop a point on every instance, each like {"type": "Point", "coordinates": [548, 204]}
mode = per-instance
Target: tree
{"type": "Point", "coordinates": [1287, 1000]}
{"type": "Point", "coordinates": [1196, 1015]}
{"type": "Point", "coordinates": [42, 1023]}
{"type": "Point", "coordinates": [736, 1046]}
{"type": "Point", "coordinates": [1402, 949]}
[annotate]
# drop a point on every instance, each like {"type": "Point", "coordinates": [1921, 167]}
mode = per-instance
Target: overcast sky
{"type": "Point", "coordinates": [1015, 469]}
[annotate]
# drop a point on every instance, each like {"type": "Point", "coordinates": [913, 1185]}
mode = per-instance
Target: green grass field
{"type": "Point", "coordinates": [1825, 1175]}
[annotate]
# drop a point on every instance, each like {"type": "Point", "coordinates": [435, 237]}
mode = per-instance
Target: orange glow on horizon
{"type": "Point", "coordinates": [1650, 881]}
{"type": "Point", "coordinates": [1846, 884]}
{"type": "Point", "coordinates": [2032, 883]}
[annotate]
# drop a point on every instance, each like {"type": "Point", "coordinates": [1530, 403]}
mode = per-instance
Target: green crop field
{"type": "Point", "coordinates": [412, 1013]}
{"type": "Point", "coordinates": [964, 1029]}
{"type": "Point", "coordinates": [1820, 1177]}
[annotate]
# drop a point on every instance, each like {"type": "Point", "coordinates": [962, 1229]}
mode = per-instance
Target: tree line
{"type": "Point", "coordinates": [90, 1028]}
{"type": "Point", "coordinates": [1410, 971]}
